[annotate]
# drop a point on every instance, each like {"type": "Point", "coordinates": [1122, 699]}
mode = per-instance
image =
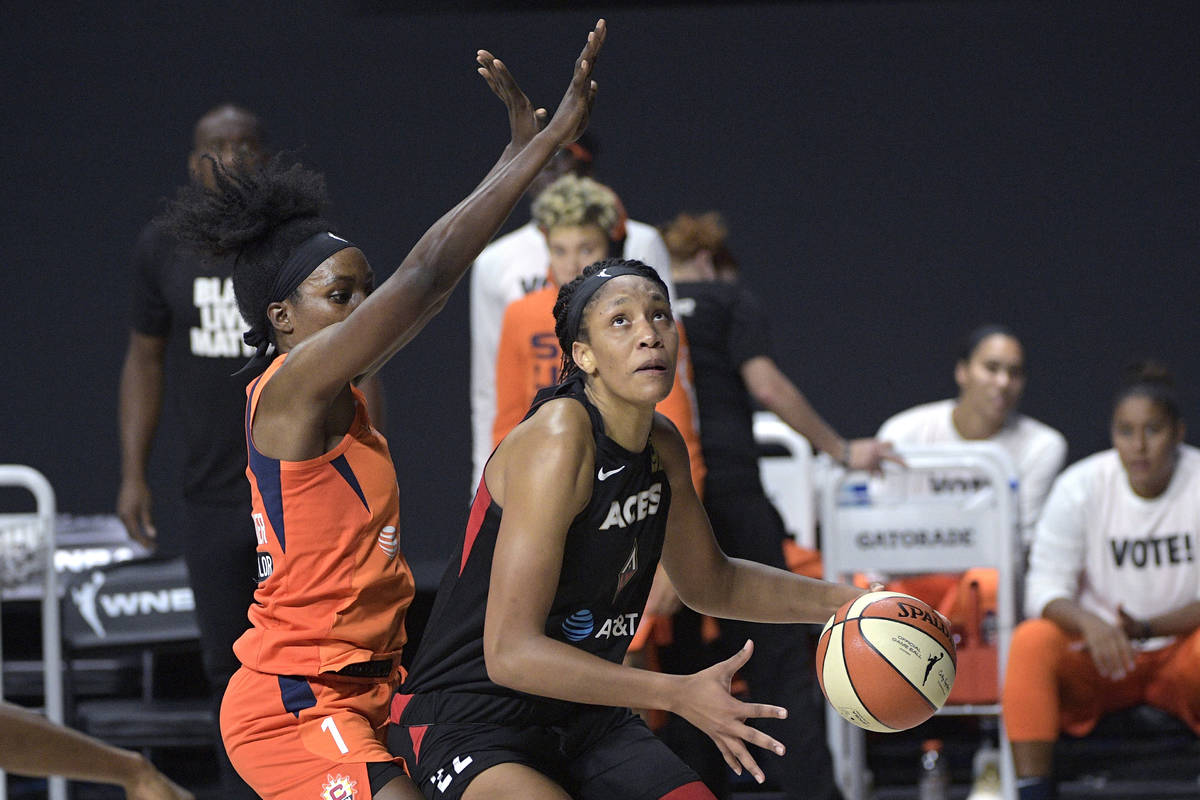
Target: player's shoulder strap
{"type": "Point", "coordinates": [572, 387]}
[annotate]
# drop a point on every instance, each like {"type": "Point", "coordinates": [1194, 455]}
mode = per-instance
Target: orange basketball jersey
{"type": "Point", "coordinates": [333, 585]}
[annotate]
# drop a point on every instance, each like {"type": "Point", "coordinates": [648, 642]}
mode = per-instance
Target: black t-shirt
{"type": "Point", "coordinates": [187, 298]}
{"type": "Point", "coordinates": [612, 548]}
{"type": "Point", "coordinates": [726, 327]}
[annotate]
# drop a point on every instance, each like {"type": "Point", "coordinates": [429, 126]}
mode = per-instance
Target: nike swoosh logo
{"type": "Point", "coordinates": [606, 474]}
{"type": "Point", "coordinates": [603, 274]}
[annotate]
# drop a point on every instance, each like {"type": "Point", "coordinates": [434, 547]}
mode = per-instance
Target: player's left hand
{"type": "Point", "coordinates": [1134, 628]}
{"type": "Point", "coordinates": [524, 121]}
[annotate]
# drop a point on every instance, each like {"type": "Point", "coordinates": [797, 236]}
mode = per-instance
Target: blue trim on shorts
{"type": "Point", "coordinates": [296, 694]}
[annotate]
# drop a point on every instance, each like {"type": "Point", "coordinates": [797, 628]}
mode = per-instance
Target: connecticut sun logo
{"type": "Point", "coordinates": [339, 787]}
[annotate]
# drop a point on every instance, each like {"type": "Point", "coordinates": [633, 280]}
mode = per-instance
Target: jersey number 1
{"type": "Point", "coordinates": [327, 724]}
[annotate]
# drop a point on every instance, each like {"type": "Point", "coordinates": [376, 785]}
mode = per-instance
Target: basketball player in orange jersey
{"type": "Point", "coordinates": [517, 689]}
{"type": "Point", "coordinates": [303, 717]}
{"type": "Point", "coordinates": [581, 220]}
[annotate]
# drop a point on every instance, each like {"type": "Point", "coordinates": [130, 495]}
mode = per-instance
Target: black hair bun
{"type": "Point", "coordinates": [1148, 371]}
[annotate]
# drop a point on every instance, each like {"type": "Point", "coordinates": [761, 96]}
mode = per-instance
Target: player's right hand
{"type": "Point", "coordinates": [706, 702]}
{"type": "Point", "coordinates": [1109, 648]}
{"type": "Point", "coordinates": [133, 509]}
{"type": "Point", "coordinates": [571, 118]}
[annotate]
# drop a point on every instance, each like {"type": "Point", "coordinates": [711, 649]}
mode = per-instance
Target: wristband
{"type": "Point", "coordinates": [1144, 631]}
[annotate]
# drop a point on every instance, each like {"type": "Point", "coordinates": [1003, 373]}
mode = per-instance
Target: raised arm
{"type": "Point", "coordinates": [401, 305]}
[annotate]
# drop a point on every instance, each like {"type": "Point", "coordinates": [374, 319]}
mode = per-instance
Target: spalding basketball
{"type": "Point", "coordinates": [886, 661]}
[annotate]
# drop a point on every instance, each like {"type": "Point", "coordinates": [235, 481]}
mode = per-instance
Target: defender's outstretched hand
{"type": "Point", "coordinates": [571, 118]}
{"type": "Point", "coordinates": [524, 120]}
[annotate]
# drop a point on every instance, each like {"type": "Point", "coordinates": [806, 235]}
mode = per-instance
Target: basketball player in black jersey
{"type": "Point", "coordinates": [517, 689]}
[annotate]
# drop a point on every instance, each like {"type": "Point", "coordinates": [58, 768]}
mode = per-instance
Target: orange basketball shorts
{"type": "Point", "coordinates": [1053, 685]}
{"type": "Point", "coordinates": [306, 738]}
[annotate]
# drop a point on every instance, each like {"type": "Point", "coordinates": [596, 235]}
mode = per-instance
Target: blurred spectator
{"type": "Point", "coordinates": [516, 264]}
{"type": "Point", "coordinates": [582, 221]}
{"type": "Point", "coordinates": [991, 377]}
{"type": "Point", "coordinates": [733, 369]}
{"type": "Point", "coordinates": [1112, 587]}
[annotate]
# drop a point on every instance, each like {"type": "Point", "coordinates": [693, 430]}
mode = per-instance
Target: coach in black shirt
{"type": "Point", "coordinates": [730, 349]}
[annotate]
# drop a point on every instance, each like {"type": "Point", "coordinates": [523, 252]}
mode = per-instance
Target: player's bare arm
{"type": "Point", "coordinates": [712, 583]}
{"type": "Point", "coordinates": [401, 306]}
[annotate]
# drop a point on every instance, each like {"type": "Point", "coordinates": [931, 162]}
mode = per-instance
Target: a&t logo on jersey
{"type": "Point", "coordinates": [338, 787]}
{"type": "Point", "coordinates": [389, 542]}
{"type": "Point", "coordinates": [579, 625]}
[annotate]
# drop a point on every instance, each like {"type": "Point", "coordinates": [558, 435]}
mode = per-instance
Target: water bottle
{"type": "Point", "coordinates": [988, 628]}
{"type": "Point", "coordinates": [934, 783]}
{"type": "Point", "coordinates": [986, 769]}
{"type": "Point", "coordinates": [854, 494]}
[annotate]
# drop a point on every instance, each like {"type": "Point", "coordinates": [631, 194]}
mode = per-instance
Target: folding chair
{"type": "Point", "coordinates": [785, 465]}
{"type": "Point", "coordinates": [27, 548]}
{"type": "Point", "coordinates": [890, 526]}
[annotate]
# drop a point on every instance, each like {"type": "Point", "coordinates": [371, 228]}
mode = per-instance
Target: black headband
{"type": "Point", "coordinates": [591, 284]}
{"type": "Point", "coordinates": [299, 265]}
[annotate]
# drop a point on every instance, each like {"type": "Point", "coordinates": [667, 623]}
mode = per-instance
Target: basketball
{"type": "Point", "coordinates": [886, 661]}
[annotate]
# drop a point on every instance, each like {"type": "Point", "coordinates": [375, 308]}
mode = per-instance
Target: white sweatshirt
{"type": "Point", "coordinates": [1104, 546]}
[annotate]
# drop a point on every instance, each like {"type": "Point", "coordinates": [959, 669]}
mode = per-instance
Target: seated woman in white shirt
{"type": "Point", "coordinates": [990, 373]}
{"type": "Point", "coordinates": [1113, 590]}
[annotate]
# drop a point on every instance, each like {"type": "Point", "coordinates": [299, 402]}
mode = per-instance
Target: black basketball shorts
{"type": "Point", "coordinates": [601, 754]}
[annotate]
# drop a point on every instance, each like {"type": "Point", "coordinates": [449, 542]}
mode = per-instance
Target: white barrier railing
{"type": "Point", "coordinates": [788, 480]}
{"type": "Point", "coordinates": [27, 543]}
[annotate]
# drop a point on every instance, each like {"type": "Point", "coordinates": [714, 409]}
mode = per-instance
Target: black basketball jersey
{"type": "Point", "coordinates": [612, 549]}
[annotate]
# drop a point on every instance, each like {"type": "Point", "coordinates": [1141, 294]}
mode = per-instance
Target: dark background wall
{"type": "Point", "coordinates": [893, 175]}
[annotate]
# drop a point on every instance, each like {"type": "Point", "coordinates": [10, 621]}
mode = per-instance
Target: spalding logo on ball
{"type": "Point", "coordinates": [886, 661]}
